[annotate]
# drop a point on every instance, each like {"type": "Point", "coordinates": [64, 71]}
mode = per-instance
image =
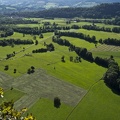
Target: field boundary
{"type": "Point", "coordinates": [82, 98]}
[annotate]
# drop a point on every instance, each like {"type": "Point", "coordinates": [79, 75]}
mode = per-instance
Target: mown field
{"type": "Point", "coordinates": [99, 102]}
{"type": "Point", "coordinates": [44, 109]}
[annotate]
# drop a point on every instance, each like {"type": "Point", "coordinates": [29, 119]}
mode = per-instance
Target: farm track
{"type": "Point", "coordinates": [41, 85]}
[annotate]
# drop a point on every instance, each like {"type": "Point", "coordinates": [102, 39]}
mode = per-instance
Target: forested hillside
{"type": "Point", "coordinates": [100, 11]}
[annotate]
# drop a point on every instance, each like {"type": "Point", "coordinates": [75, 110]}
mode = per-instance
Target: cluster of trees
{"type": "Point", "coordinates": [116, 29]}
{"type": "Point", "coordinates": [77, 59]}
{"type": "Point", "coordinates": [82, 52]}
{"type": "Point", "coordinates": [14, 20]}
{"type": "Point", "coordinates": [12, 42]}
{"type": "Point", "coordinates": [101, 11]}
{"type": "Point", "coordinates": [77, 35]}
{"type": "Point", "coordinates": [27, 30]}
{"type": "Point", "coordinates": [41, 50]}
{"type": "Point", "coordinates": [101, 61]}
{"type": "Point", "coordinates": [112, 75]}
{"type": "Point", "coordinates": [115, 21]}
{"type": "Point", "coordinates": [7, 68]}
{"type": "Point", "coordinates": [110, 41]}
{"type": "Point", "coordinates": [60, 41]}
{"type": "Point", "coordinates": [31, 70]}
{"type": "Point", "coordinates": [33, 31]}
{"type": "Point", "coordinates": [10, 55]}
{"type": "Point", "coordinates": [49, 47]}
{"type": "Point", "coordinates": [97, 28]}
{"type": "Point", "coordinates": [39, 30]}
{"type": "Point", "coordinates": [6, 31]}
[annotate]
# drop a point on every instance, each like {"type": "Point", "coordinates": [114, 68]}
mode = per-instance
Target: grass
{"type": "Point", "coordinates": [76, 73]}
{"type": "Point", "coordinates": [116, 55]}
{"type": "Point", "coordinates": [29, 25]}
{"type": "Point", "coordinates": [99, 104]}
{"type": "Point", "coordinates": [80, 42]}
{"type": "Point", "coordinates": [100, 34]}
{"type": "Point", "coordinates": [80, 75]}
{"type": "Point", "coordinates": [44, 109]}
{"type": "Point", "coordinates": [11, 95]}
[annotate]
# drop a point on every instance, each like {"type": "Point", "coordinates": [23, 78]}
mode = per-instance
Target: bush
{"type": "Point", "coordinates": [6, 67]}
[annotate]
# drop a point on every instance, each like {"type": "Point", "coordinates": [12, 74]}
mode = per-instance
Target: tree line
{"type": "Point", "coordinates": [97, 28]}
{"type": "Point", "coordinates": [113, 21]}
{"type": "Point", "coordinates": [6, 31]}
{"type": "Point", "coordinates": [108, 41]}
{"type": "Point", "coordinates": [77, 35]}
{"type": "Point", "coordinates": [14, 20]}
{"type": "Point", "coordinates": [112, 75]}
{"type": "Point", "coordinates": [39, 30]}
{"type": "Point", "coordinates": [12, 42]}
{"type": "Point", "coordinates": [49, 47]}
{"type": "Point", "coordinates": [34, 30]}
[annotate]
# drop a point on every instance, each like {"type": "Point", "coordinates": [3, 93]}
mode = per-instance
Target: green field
{"type": "Point", "coordinates": [44, 109]}
{"type": "Point", "coordinates": [100, 103]}
{"type": "Point", "coordinates": [13, 95]}
{"type": "Point", "coordinates": [80, 42]}
{"type": "Point", "coordinates": [100, 34]}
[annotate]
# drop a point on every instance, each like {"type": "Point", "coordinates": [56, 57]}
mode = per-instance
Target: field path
{"type": "Point", "coordinates": [41, 85]}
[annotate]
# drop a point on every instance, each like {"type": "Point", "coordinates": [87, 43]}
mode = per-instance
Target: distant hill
{"type": "Point", "coordinates": [46, 4]}
{"type": "Point", "coordinates": [106, 10]}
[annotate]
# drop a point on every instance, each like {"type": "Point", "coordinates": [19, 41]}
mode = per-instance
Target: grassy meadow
{"type": "Point", "coordinates": [44, 109]}
{"type": "Point", "coordinates": [13, 95]}
{"type": "Point", "coordinates": [100, 34]}
{"type": "Point", "coordinates": [100, 103]}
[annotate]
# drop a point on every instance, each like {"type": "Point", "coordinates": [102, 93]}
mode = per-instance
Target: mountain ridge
{"type": "Point", "coordinates": [46, 4]}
